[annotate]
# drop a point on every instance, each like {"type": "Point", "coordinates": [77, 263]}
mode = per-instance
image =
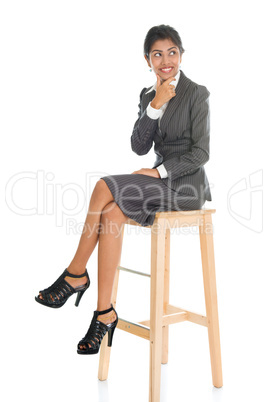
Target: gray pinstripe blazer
{"type": "Point", "coordinates": [182, 141]}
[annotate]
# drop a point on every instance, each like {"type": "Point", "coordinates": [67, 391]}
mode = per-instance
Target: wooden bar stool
{"type": "Point", "coordinates": [162, 314]}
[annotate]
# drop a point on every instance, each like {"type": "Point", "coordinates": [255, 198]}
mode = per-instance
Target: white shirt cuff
{"type": "Point", "coordinates": [162, 171]}
{"type": "Point", "coordinates": [152, 112]}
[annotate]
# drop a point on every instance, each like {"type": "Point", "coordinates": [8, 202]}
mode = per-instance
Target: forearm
{"type": "Point", "coordinates": [143, 133]}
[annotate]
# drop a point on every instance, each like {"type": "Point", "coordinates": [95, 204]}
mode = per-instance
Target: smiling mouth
{"type": "Point", "coordinates": [166, 70]}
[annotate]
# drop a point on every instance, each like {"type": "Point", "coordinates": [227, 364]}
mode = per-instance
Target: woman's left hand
{"type": "Point", "coordinates": [148, 172]}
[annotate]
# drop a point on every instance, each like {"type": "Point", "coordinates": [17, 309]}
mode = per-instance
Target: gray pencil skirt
{"type": "Point", "coordinates": [140, 197]}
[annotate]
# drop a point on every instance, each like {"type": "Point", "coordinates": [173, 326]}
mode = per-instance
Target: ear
{"type": "Point", "coordinates": [147, 61]}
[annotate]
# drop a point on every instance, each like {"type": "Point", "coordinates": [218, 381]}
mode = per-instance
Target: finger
{"type": "Point", "coordinates": [158, 81]}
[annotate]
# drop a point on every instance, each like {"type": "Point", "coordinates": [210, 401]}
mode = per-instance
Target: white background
{"type": "Point", "coordinates": [65, 68]}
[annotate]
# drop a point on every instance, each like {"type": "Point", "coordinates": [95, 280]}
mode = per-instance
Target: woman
{"type": "Point", "coordinates": [174, 115]}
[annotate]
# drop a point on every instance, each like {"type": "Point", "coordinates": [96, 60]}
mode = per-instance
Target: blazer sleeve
{"type": "Point", "coordinates": [200, 136]}
{"type": "Point", "coordinates": [143, 131]}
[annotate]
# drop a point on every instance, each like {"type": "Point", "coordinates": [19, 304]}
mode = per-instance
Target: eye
{"type": "Point", "coordinates": [172, 51]}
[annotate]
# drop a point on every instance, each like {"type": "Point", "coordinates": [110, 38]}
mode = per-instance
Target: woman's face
{"type": "Point", "coordinates": [164, 58]}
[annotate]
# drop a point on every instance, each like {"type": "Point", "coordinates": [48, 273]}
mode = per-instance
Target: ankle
{"type": "Point", "coordinates": [76, 269]}
{"type": "Point", "coordinates": [107, 318]}
{"type": "Point", "coordinates": [102, 307]}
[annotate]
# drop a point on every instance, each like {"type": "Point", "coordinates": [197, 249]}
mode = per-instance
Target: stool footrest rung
{"type": "Point", "coordinates": [172, 315]}
{"type": "Point", "coordinates": [191, 316]}
{"type": "Point", "coordinates": [169, 319]}
{"type": "Point", "coordinates": [134, 328]}
{"type": "Point", "coordinates": [132, 271]}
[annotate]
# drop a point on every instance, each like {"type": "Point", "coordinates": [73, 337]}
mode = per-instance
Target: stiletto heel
{"type": "Point", "coordinates": [57, 294]}
{"type": "Point", "coordinates": [110, 336]}
{"type": "Point", "coordinates": [79, 297]}
{"type": "Point", "coordinates": [96, 332]}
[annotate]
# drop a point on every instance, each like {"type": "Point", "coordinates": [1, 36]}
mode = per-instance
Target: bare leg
{"type": "Point", "coordinates": [104, 223]}
{"type": "Point", "coordinates": [109, 252]}
{"type": "Point", "coordinates": [101, 197]}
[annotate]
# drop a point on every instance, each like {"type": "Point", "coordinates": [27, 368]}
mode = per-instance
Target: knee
{"type": "Point", "coordinates": [100, 186]}
{"type": "Point", "coordinates": [101, 191]}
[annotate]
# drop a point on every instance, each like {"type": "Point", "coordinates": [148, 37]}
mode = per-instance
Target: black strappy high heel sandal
{"type": "Point", "coordinates": [96, 332]}
{"type": "Point", "coordinates": [57, 294]}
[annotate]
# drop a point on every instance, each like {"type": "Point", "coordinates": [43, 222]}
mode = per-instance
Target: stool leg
{"type": "Point", "coordinates": [209, 276]}
{"type": "Point", "coordinates": [165, 333]}
{"type": "Point", "coordinates": [156, 307]}
{"type": "Point", "coordinates": [105, 351]}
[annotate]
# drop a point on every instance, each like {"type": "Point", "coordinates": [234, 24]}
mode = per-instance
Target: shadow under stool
{"type": "Point", "coordinates": [162, 314]}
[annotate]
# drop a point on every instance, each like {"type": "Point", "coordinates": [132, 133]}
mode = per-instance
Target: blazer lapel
{"type": "Point", "coordinates": [173, 104]}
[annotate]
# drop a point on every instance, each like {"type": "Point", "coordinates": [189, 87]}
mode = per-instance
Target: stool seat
{"type": "Point", "coordinates": [162, 313]}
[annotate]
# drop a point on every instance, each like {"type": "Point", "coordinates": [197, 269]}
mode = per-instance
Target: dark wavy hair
{"type": "Point", "coordinates": [161, 32]}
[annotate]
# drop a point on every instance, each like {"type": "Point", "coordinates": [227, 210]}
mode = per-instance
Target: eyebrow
{"type": "Point", "coordinates": [155, 50]}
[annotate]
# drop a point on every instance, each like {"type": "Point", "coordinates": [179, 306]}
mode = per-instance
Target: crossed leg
{"type": "Point", "coordinates": [103, 222]}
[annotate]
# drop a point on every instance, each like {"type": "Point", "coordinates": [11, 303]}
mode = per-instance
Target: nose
{"type": "Point", "coordinates": [165, 59]}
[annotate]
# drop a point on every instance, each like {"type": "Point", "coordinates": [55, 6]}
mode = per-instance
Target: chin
{"type": "Point", "coordinates": [166, 76]}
